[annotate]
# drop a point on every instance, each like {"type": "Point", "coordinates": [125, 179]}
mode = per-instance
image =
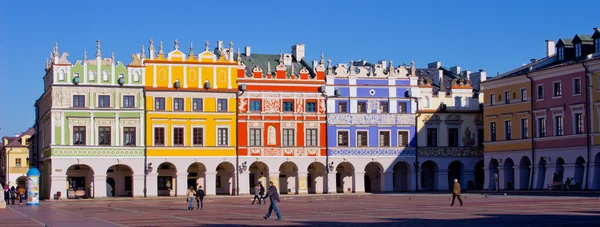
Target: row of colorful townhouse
{"type": "Point", "coordinates": [226, 120]}
{"type": "Point", "coordinates": [542, 120]}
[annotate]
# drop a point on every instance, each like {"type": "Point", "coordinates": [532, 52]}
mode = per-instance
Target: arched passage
{"type": "Point", "coordinates": [119, 181]}
{"type": "Point", "coordinates": [579, 171]}
{"type": "Point", "coordinates": [80, 180]}
{"type": "Point", "coordinates": [22, 181]}
{"type": "Point", "coordinates": [259, 171]}
{"type": "Point", "coordinates": [225, 182]}
{"type": "Point", "coordinates": [373, 177]}
{"type": "Point", "coordinates": [560, 169]}
{"type": "Point", "coordinates": [288, 178]}
{"type": "Point", "coordinates": [479, 175]}
{"type": "Point", "coordinates": [509, 174]}
{"type": "Point", "coordinates": [401, 177]}
{"type": "Point", "coordinates": [524, 173]}
{"type": "Point", "coordinates": [316, 178]}
{"type": "Point", "coordinates": [344, 178]}
{"type": "Point", "coordinates": [596, 172]}
{"type": "Point", "coordinates": [541, 174]}
{"type": "Point", "coordinates": [493, 174]}
{"type": "Point", "coordinates": [196, 175]}
{"type": "Point", "coordinates": [428, 176]}
{"type": "Point", "coordinates": [455, 171]}
{"type": "Point", "coordinates": [167, 177]}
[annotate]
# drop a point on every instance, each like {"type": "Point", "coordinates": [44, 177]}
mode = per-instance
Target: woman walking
{"type": "Point", "coordinates": [21, 192]}
{"type": "Point", "coordinates": [257, 193]}
{"type": "Point", "coordinates": [191, 194]}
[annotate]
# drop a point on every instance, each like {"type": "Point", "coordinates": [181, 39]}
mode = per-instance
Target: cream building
{"type": "Point", "coordinates": [14, 156]}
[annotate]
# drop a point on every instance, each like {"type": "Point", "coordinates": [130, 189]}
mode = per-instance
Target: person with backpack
{"type": "Point", "coordinates": [261, 193]}
{"type": "Point", "coordinates": [13, 195]}
{"type": "Point", "coordinates": [200, 198]}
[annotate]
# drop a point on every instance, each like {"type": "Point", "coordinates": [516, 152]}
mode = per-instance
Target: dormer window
{"type": "Point", "coordinates": [597, 45]}
{"type": "Point", "coordinates": [578, 50]}
{"type": "Point", "coordinates": [561, 53]}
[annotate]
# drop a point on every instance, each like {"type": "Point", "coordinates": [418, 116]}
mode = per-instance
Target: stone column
{"type": "Point", "coordinates": [152, 184]}
{"type": "Point", "coordinates": [181, 184]}
{"type": "Point", "coordinates": [517, 178]}
{"type": "Point", "coordinates": [468, 175]}
{"type": "Point", "coordinates": [359, 181]}
{"type": "Point", "coordinates": [388, 181]}
{"type": "Point", "coordinates": [414, 182]}
{"type": "Point", "coordinates": [58, 184]}
{"type": "Point", "coordinates": [488, 179]}
{"type": "Point", "coordinates": [244, 186]}
{"type": "Point", "coordinates": [535, 178]}
{"type": "Point", "coordinates": [302, 182]}
{"type": "Point", "coordinates": [331, 183]}
{"type": "Point", "coordinates": [590, 181]}
{"type": "Point", "coordinates": [211, 177]}
{"type": "Point", "coordinates": [138, 185]}
{"type": "Point", "coordinates": [99, 190]}
{"type": "Point", "coordinates": [442, 180]}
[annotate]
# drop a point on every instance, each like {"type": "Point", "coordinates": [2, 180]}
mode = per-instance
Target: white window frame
{"type": "Point", "coordinates": [164, 137]}
{"type": "Point", "coordinates": [506, 131]}
{"type": "Point", "coordinates": [492, 99]}
{"type": "Point", "coordinates": [537, 92]}
{"type": "Point", "coordinates": [379, 137]}
{"type": "Point", "coordinates": [538, 129]}
{"type": "Point", "coordinates": [228, 135]}
{"type": "Point", "coordinates": [521, 128]}
{"type": "Point", "coordinates": [306, 137]}
{"type": "Point", "coordinates": [575, 121]}
{"type": "Point", "coordinates": [105, 75]}
{"type": "Point", "coordinates": [294, 141]}
{"type": "Point", "coordinates": [251, 139]}
{"type": "Point", "coordinates": [561, 53]}
{"type": "Point", "coordinates": [554, 91]}
{"type": "Point", "coordinates": [523, 94]}
{"type": "Point", "coordinates": [577, 50]}
{"type": "Point", "coordinates": [356, 134]}
{"type": "Point", "coordinates": [136, 76]}
{"type": "Point", "coordinates": [573, 86]}
{"type": "Point", "coordinates": [507, 97]}
{"type": "Point", "coordinates": [91, 75]}
{"type": "Point", "coordinates": [202, 127]}
{"type": "Point", "coordinates": [122, 135]}
{"type": "Point", "coordinates": [337, 134]}
{"type": "Point", "coordinates": [407, 139]}
{"type": "Point", "coordinates": [555, 126]}
{"type": "Point", "coordinates": [173, 126]}
{"type": "Point", "coordinates": [495, 132]}
{"type": "Point", "coordinates": [61, 74]}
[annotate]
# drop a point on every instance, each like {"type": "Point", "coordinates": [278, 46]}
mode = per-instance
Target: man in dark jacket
{"type": "Point", "coordinates": [200, 198]}
{"type": "Point", "coordinates": [262, 193]}
{"type": "Point", "coordinates": [456, 193]}
{"type": "Point", "coordinates": [274, 197]}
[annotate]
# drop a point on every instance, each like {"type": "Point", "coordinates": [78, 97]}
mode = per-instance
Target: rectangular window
{"type": "Point", "coordinates": [578, 50]}
{"type": "Point", "coordinates": [540, 92]}
{"type": "Point", "coordinates": [18, 162]}
{"type": "Point", "coordinates": [289, 140]}
{"type": "Point", "coordinates": [129, 136]}
{"type": "Point", "coordinates": [362, 107]}
{"type": "Point", "coordinates": [558, 121]}
{"type": "Point", "coordinates": [403, 139]}
{"type": "Point", "coordinates": [402, 107]}
{"type": "Point", "coordinates": [557, 89]}
{"type": "Point", "coordinates": [255, 105]}
{"type": "Point", "coordinates": [197, 105]}
{"type": "Point", "coordinates": [577, 86]}
{"type": "Point", "coordinates": [222, 105]}
{"type": "Point", "coordinates": [128, 101]}
{"type": "Point", "coordinates": [223, 137]}
{"type": "Point", "coordinates": [579, 123]}
{"type": "Point", "coordinates": [507, 97]}
{"type": "Point", "coordinates": [104, 136]}
{"type": "Point", "coordinates": [255, 137]}
{"type": "Point", "coordinates": [78, 100]}
{"type": "Point", "coordinates": [492, 131]}
{"type": "Point", "coordinates": [178, 136]}
{"type": "Point", "coordinates": [432, 137]}
{"type": "Point", "coordinates": [311, 107]}
{"type": "Point", "coordinates": [507, 130]}
{"type": "Point", "coordinates": [178, 104]}
{"type": "Point", "coordinates": [480, 137]}
{"type": "Point", "coordinates": [384, 138]}
{"type": "Point", "coordinates": [561, 53]}
{"type": "Point", "coordinates": [384, 107]}
{"type": "Point", "coordinates": [159, 136]}
{"type": "Point", "coordinates": [104, 101]}
{"type": "Point", "coordinates": [453, 137]}
{"type": "Point", "coordinates": [198, 137]}
{"type": "Point", "coordinates": [342, 139]}
{"type": "Point", "coordinates": [597, 45]}
{"type": "Point", "coordinates": [78, 135]}
{"type": "Point", "coordinates": [523, 94]}
{"type": "Point", "coordinates": [524, 128]}
{"type": "Point", "coordinates": [342, 107]}
{"type": "Point", "coordinates": [311, 137]}
{"type": "Point", "coordinates": [361, 139]}
{"type": "Point", "coordinates": [159, 104]}
{"type": "Point", "coordinates": [288, 106]}
{"type": "Point", "coordinates": [542, 127]}
{"type": "Point", "coordinates": [492, 99]}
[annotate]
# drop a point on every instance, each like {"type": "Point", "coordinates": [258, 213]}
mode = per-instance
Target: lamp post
{"type": "Point", "coordinates": [147, 170]}
{"type": "Point", "coordinates": [336, 93]}
{"type": "Point", "coordinates": [238, 93]}
{"type": "Point", "coordinates": [416, 163]}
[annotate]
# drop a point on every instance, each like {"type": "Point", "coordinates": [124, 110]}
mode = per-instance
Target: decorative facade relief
{"type": "Point", "coordinates": [256, 124]}
{"type": "Point", "coordinates": [57, 119]}
{"type": "Point", "coordinates": [243, 105]}
{"type": "Point", "coordinates": [451, 151]}
{"type": "Point", "coordinates": [469, 138]}
{"type": "Point", "coordinates": [378, 151]}
{"type": "Point", "coordinates": [299, 105]}
{"type": "Point", "coordinates": [373, 106]}
{"type": "Point", "coordinates": [322, 107]}
{"type": "Point", "coordinates": [371, 119]}
{"type": "Point", "coordinates": [286, 151]}
{"type": "Point", "coordinates": [287, 124]}
{"type": "Point", "coordinates": [272, 135]}
{"type": "Point", "coordinates": [271, 105]}
{"type": "Point", "coordinates": [97, 152]}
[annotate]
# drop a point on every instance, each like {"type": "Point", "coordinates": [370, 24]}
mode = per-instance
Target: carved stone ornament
{"type": "Point", "coordinates": [288, 124]}
{"type": "Point", "coordinates": [311, 124]}
{"type": "Point", "coordinates": [371, 119]}
{"type": "Point", "coordinates": [272, 135]}
{"type": "Point", "coordinates": [373, 106]}
{"type": "Point", "coordinates": [451, 151]}
{"type": "Point", "coordinates": [469, 138]}
{"type": "Point", "coordinates": [109, 151]}
{"type": "Point", "coordinates": [272, 105]}
{"type": "Point", "coordinates": [57, 119]}
{"type": "Point", "coordinates": [299, 105]}
{"type": "Point", "coordinates": [378, 151]}
{"type": "Point", "coordinates": [255, 124]}
{"type": "Point", "coordinates": [242, 105]}
{"type": "Point", "coordinates": [322, 106]}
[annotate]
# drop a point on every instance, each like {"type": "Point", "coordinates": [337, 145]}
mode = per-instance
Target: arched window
{"type": "Point", "coordinates": [91, 75]}
{"type": "Point", "coordinates": [105, 75]}
{"type": "Point", "coordinates": [426, 102]}
{"type": "Point", "coordinates": [61, 74]}
{"type": "Point", "coordinates": [136, 76]}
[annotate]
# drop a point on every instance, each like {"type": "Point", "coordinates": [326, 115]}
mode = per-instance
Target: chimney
{"type": "Point", "coordinates": [247, 51]}
{"type": "Point", "coordinates": [287, 59]}
{"type": "Point", "coordinates": [434, 65]}
{"type": "Point", "coordinates": [467, 74]}
{"type": "Point", "coordinates": [455, 70]}
{"type": "Point", "coordinates": [550, 48]}
{"type": "Point", "coordinates": [441, 79]}
{"type": "Point", "coordinates": [298, 51]}
{"type": "Point", "coordinates": [220, 44]}
{"type": "Point", "coordinates": [383, 63]}
{"type": "Point", "coordinates": [482, 75]}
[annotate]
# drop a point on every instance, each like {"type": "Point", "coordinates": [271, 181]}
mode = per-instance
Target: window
{"type": "Point", "coordinates": [524, 128]}
{"type": "Point", "coordinates": [159, 104]}
{"type": "Point", "coordinates": [222, 105]}
{"type": "Point", "coordinates": [342, 139]}
{"type": "Point", "coordinates": [453, 137]}
{"type": "Point", "coordinates": [362, 139]}
{"type": "Point", "coordinates": [480, 137]}
{"type": "Point", "coordinates": [91, 75]}
{"type": "Point", "coordinates": [432, 137]}
{"type": "Point", "coordinates": [159, 136]}
{"type": "Point", "coordinates": [384, 107]}
{"type": "Point", "coordinates": [362, 107]}
{"type": "Point", "coordinates": [104, 136]}
{"type": "Point", "coordinates": [542, 127]}
{"type": "Point", "coordinates": [255, 105]}
{"type": "Point", "coordinates": [165, 183]}
{"type": "Point", "coordinates": [78, 100]}
{"type": "Point", "coordinates": [492, 131]}
{"type": "Point", "coordinates": [136, 76]}
{"type": "Point", "coordinates": [561, 53]}
{"type": "Point", "coordinates": [507, 97]}
{"type": "Point", "coordinates": [540, 92]}
{"type": "Point", "coordinates": [178, 136]}
{"type": "Point", "coordinates": [558, 122]}
{"type": "Point", "coordinates": [197, 105]}
{"type": "Point", "coordinates": [288, 106]}
{"type": "Point", "coordinates": [311, 137]}
{"type": "Point", "coordinates": [311, 106]}
{"type": "Point", "coordinates": [342, 105]}
{"type": "Point", "coordinates": [577, 49]}
{"type": "Point", "coordinates": [128, 183]}
{"type": "Point", "coordinates": [384, 138]}
{"type": "Point", "coordinates": [105, 75]}
{"type": "Point", "coordinates": [129, 136]}
{"type": "Point", "coordinates": [223, 136]}
{"type": "Point", "coordinates": [255, 136]}
{"type": "Point", "coordinates": [523, 94]}
{"type": "Point", "coordinates": [78, 135]}
{"type": "Point", "coordinates": [402, 107]}
{"type": "Point", "coordinates": [128, 101]}
{"type": "Point", "coordinates": [403, 139]}
{"type": "Point", "coordinates": [17, 162]}
{"type": "Point", "coordinates": [288, 138]}
{"type": "Point", "coordinates": [198, 136]}
{"type": "Point", "coordinates": [577, 86]}
{"type": "Point", "coordinates": [597, 45]}
{"type": "Point", "coordinates": [579, 123]}
{"type": "Point", "coordinates": [104, 101]}
{"type": "Point", "coordinates": [492, 99]}
{"type": "Point", "coordinates": [178, 104]}
{"type": "Point", "coordinates": [557, 89]}
{"type": "Point", "coordinates": [507, 130]}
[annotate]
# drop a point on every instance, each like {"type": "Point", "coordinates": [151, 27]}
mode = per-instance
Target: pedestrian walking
{"type": "Point", "coordinates": [274, 197]}
{"type": "Point", "coordinates": [191, 194]}
{"type": "Point", "coordinates": [6, 192]}
{"type": "Point", "coordinates": [262, 193]}
{"type": "Point", "coordinates": [13, 194]}
{"type": "Point", "coordinates": [21, 192]}
{"type": "Point", "coordinates": [456, 193]}
{"type": "Point", "coordinates": [496, 181]}
{"type": "Point", "coordinates": [200, 198]}
{"type": "Point", "coordinates": [257, 194]}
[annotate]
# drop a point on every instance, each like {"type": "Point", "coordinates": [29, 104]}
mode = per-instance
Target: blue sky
{"type": "Point", "coordinates": [494, 35]}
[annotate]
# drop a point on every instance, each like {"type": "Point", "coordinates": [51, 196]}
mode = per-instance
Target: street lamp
{"type": "Point", "coordinates": [331, 167]}
{"type": "Point", "coordinates": [409, 95]}
{"type": "Point", "coordinates": [336, 93]}
{"type": "Point", "coordinates": [147, 170]}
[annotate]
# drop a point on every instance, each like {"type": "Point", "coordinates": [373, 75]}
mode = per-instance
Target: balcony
{"type": "Point", "coordinates": [451, 151]}
{"type": "Point", "coordinates": [370, 119]}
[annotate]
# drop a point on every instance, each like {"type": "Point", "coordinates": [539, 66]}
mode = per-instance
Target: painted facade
{"type": "Point", "coordinates": [89, 132]}
{"type": "Point", "coordinates": [191, 120]}
{"type": "Point", "coordinates": [14, 158]}
{"type": "Point", "coordinates": [281, 121]}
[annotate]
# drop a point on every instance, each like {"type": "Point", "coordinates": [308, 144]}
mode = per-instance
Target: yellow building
{"type": "Point", "coordinates": [191, 120]}
{"type": "Point", "coordinates": [14, 155]}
